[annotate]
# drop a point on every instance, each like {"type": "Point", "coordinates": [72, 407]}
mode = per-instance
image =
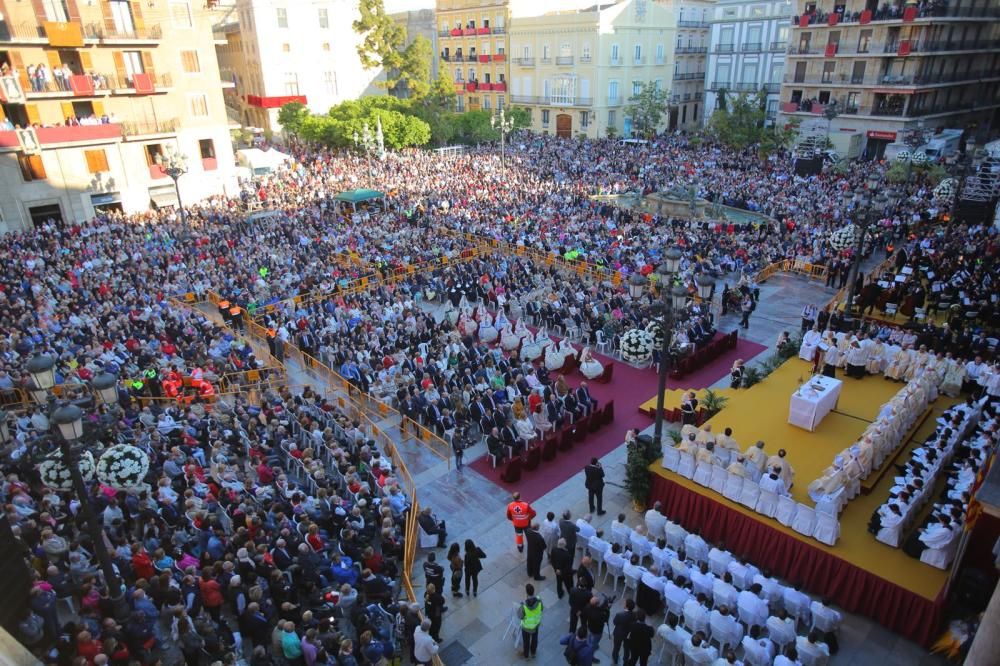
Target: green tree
{"type": "Point", "coordinates": [382, 38]}
{"type": "Point", "coordinates": [291, 116]}
{"type": "Point", "coordinates": [738, 123]}
{"type": "Point", "coordinates": [520, 116]}
{"type": "Point", "coordinates": [646, 109]}
{"type": "Point", "coordinates": [475, 127]}
{"type": "Point", "coordinates": [415, 67]}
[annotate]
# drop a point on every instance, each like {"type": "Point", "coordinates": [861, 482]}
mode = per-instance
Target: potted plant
{"type": "Point", "coordinates": [642, 452]}
{"type": "Point", "coordinates": [713, 402]}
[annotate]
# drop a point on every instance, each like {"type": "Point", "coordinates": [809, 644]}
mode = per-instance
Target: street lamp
{"type": "Point", "coordinates": [866, 211]}
{"type": "Point", "coordinates": [175, 166]}
{"type": "Point", "coordinates": [962, 168]}
{"type": "Point", "coordinates": [68, 432]}
{"type": "Point", "coordinates": [368, 143]}
{"type": "Point", "coordinates": [504, 125]}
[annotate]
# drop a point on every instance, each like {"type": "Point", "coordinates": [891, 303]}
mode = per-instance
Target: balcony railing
{"type": "Point", "coordinates": [524, 62]}
{"type": "Point", "coordinates": [585, 59]}
{"type": "Point", "coordinates": [772, 87]}
{"type": "Point", "coordinates": [721, 85]}
{"type": "Point", "coordinates": [724, 48]}
{"type": "Point", "coordinates": [639, 61]}
{"type": "Point", "coordinates": [691, 49]}
{"type": "Point", "coordinates": [751, 47]}
{"type": "Point", "coordinates": [689, 76]}
{"type": "Point", "coordinates": [545, 61]}
{"type": "Point", "coordinates": [499, 31]}
{"type": "Point", "coordinates": [92, 131]}
{"type": "Point", "coordinates": [614, 101]}
{"type": "Point", "coordinates": [692, 24]}
{"type": "Point", "coordinates": [552, 100]}
{"type": "Point", "coordinates": [779, 46]}
{"type": "Point", "coordinates": [148, 34]}
{"type": "Point", "coordinates": [21, 32]}
{"type": "Point", "coordinates": [146, 128]}
{"type": "Point", "coordinates": [564, 60]}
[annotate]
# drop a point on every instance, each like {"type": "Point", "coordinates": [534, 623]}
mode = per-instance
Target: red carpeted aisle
{"type": "Point", "coordinates": [629, 387]}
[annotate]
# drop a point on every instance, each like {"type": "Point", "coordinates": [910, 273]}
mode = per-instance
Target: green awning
{"type": "Point", "coordinates": [359, 196]}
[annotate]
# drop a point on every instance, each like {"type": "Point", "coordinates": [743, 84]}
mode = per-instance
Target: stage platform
{"type": "Point", "coordinates": [672, 399]}
{"type": "Point", "coordinates": [859, 573]}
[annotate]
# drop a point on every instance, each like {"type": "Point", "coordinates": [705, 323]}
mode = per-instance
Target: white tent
{"type": "Point", "coordinates": [261, 162]}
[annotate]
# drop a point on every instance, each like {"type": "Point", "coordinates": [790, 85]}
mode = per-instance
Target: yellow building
{"type": "Point", "coordinates": [95, 94]}
{"type": "Point", "coordinates": [472, 40]}
{"type": "Point", "coordinates": [576, 69]}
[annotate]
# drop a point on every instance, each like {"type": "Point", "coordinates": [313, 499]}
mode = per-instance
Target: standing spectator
{"type": "Point", "coordinates": [536, 551]}
{"type": "Point", "coordinates": [578, 647]}
{"type": "Point", "coordinates": [425, 646]}
{"type": "Point", "coordinates": [473, 565]}
{"type": "Point", "coordinates": [455, 559]}
{"type": "Point", "coordinates": [595, 485]}
{"type": "Point", "coordinates": [640, 641]}
{"type": "Point", "coordinates": [434, 609]}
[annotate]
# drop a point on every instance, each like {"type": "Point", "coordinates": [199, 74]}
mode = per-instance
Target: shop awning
{"type": "Point", "coordinates": [359, 196]}
{"type": "Point", "coordinates": [163, 199]}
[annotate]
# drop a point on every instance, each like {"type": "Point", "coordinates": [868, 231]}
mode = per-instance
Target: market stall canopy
{"type": "Point", "coordinates": [359, 196]}
{"type": "Point", "coordinates": [261, 161]}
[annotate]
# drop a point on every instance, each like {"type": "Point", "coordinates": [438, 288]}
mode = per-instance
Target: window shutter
{"type": "Point", "coordinates": [140, 25]}
{"type": "Point", "coordinates": [35, 167]}
{"type": "Point", "coordinates": [67, 110]}
{"type": "Point", "coordinates": [31, 110]}
{"type": "Point", "coordinates": [120, 72]}
{"type": "Point", "coordinates": [39, 8]}
{"type": "Point", "coordinates": [98, 108]}
{"type": "Point", "coordinates": [147, 64]}
{"type": "Point", "coordinates": [109, 19]}
{"type": "Point", "coordinates": [72, 11]}
{"type": "Point", "coordinates": [53, 58]}
{"type": "Point", "coordinates": [86, 61]}
{"type": "Point", "coordinates": [3, 116]}
{"type": "Point", "coordinates": [22, 74]}
{"type": "Point", "coordinates": [97, 160]}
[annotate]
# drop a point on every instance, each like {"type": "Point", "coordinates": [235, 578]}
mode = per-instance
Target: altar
{"type": "Point", "coordinates": [813, 400]}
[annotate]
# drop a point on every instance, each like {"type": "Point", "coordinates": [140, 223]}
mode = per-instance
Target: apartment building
{"type": "Point", "coordinates": [472, 44]}
{"type": "Point", "coordinates": [576, 69]}
{"type": "Point", "coordinates": [690, 61]}
{"type": "Point", "coordinates": [280, 51]}
{"type": "Point", "coordinates": [890, 68]}
{"type": "Point", "coordinates": [93, 95]}
{"type": "Point", "coordinates": [747, 51]}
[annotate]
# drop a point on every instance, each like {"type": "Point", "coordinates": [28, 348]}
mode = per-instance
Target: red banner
{"type": "Point", "coordinates": [81, 85]}
{"type": "Point", "coordinates": [143, 84]}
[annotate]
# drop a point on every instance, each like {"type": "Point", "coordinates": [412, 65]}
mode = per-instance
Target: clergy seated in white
{"type": "Point", "coordinates": [890, 524]}
{"type": "Point", "coordinates": [719, 559]}
{"type": "Point", "coordinates": [696, 614]}
{"type": "Point", "coordinates": [674, 635]}
{"type": "Point", "coordinates": [702, 580]}
{"type": "Point", "coordinates": [773, 483]}
{"type": "Point", "coordinates": [781, 629]}
{"type": "Point", "coordinates": [725, 628]}
{"type": "Point", "coordinates": [676, 594]}
{"type": "Point", "coordinates": [585, 529]}
{"type": "Point", "coordinates": [833, 479]}
{"type": "Point", "coordinates": [825, 618]}
{"type": "Point", "coordinates": [812, 650]}
{"type": "Point", "coordinates": [698, 651]}
{"type": "Point", "coordinates": [675, 535]}
{"type": "Point", "coordinates": [752, 608]}
{"type": "Point", "coordinates": [810, 343]}
{"type": "Point", "coordinates": [695, 547]}
{"type": "Point", "coordinates": [757, 650]}
{"type": "Point", "coordinates": [655, 521]}
{"type": "Point", "coordinates": [938, 540]}
{"type": "Point", "coordinates": [723, 591]}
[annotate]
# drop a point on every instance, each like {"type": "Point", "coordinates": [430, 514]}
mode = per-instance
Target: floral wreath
{"type": "Point", "coordinates": [123, 467]}
{"type": "Point", "coordinates": [636, 346]}
{"type": "Point", "coordinates": [55, 474]}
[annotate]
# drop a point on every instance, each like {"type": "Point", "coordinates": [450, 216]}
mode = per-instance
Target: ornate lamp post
{"type": "Point", "coordinates": [368, 143]}
{"type": "Point", "coordinates": [866, 211]}
{"type": "Point", "coordinates": [175, 166]}
{"type": "Point", "coordinates": [73, 446]}
{"type": "Point", "coordinates": [504, 125]}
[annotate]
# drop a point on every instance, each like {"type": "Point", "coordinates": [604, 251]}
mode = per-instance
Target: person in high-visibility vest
{"type": "Point", "coordinates": [530, 613]}
{"type": "Point", "coordinates": [520, 514]}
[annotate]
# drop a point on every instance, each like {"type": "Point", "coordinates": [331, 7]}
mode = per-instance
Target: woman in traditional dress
{"type": "Point", "coordinates": [590, 367]}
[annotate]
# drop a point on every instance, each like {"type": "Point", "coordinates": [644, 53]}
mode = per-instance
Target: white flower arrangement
{"type": "Point", "coordinates": [903, 156]}
{"type": "Point", "coordinates": [123, 467]}
{"type": "Point", "coordinates": [946, 189]}
{"type": "Point", "coordinates": [637, 346]}
{"type": "Point", "coordinates": [655, 328]}
{"type": "Point", "coordinates": [844, 238]}
{"type": "Point", "coordinates": [55, 474]}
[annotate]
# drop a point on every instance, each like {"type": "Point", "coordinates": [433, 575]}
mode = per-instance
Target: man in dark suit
{"type": "Point", "coordinates": [568, 531]}
{"type": "Point", "coordinates": [640, 641]}
{"type": "Point", "coordinates": [622, 624]}
{"type": "Point", "coordinates": [508, 435]}
{"type": "Point", "coordinates": [280, 555]}
{"type": "Point", "coordinates": [554, 411]}
{"type": "Point", "coordinates": [594, 475]}
{"type": "Point", "coordinates": [536, 551]}
{"type": "Point", "coordinates": [583, 397]}
{"type": "Point", "coordinates": [433, 415]}
{"type": "Point", "coordinates": [562, 561]}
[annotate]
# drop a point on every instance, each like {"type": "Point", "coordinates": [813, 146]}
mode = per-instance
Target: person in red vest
{"type": "Point", "coordinates": [520, 514]}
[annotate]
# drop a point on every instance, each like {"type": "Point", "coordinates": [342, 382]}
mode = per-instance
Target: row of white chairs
{"type": "Point", "coordinates": [822, 526]}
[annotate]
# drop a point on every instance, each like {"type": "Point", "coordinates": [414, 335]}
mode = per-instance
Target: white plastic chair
{"type": "Point", "coordinates": [615, 571]}
{"type": "Point", "coordinates": [805, 520]}
{"type": "Point", "coordinates": [598, 557]}
{"type": "Point", "coordinates": [620, 534]}
{"type": "Point", "coordinates": [767, 503]}
{"type": "Point", "coordinates": [603, 344]}
{"type": "Point", "coordinates": [827, 529]}
{"type": "Point", "coordinates": [686, 466]}
{"type": "Point", "coordinates": [749, 494]}
{"type": "Point", "coordinates": [725, 634]}
{"type": "Point", "coordinates": [719, 478]}
{"type": "Point", "coordinates": [671, 458]}
{"type": "Point", "coordinates": [640, 545]}
{"type": "Point", "coordinates": [514, 626]}
{"type": "Point", "coordinates": [890, 535]}
{"type": "Point", "coordinates": [674, 535]}
{"type": "Point", "coordinates": [427, 540]}
{"type": "Point", "coordinates": [941, 557]}
{"type": "Point", "coordinates": [631, 583]}
{"type": "Point", "coordinates": [703, 474]}
{"type": "Point", "coordinates": [781, 634]}
{"type": "Point", "coordinates": [734, 486]}
{"type": "Point", "coordinates": [786, 510]}
{"type": "Point", "coordinates": [831, 504]}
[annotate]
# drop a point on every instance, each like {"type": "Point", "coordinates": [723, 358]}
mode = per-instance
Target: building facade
{"type": "Point", "coordinates": [888, 69]}
{"type": "Point", "coordinates": [575, 70]}
{"type": "Point", "coordinates": [418, 22]}
{"type": "Point", "coordinates": [279, 51]}
{"type": "Point", "coordinates": [747, 51]}
{"type": "Point", "coordinates": [687, 101]}
{"type": "Point", "coordinates": [473, 46]}
{"type": "Point", "coordinates": [95, 94]}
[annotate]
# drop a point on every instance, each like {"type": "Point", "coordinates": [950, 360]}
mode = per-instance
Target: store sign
{"type": "Point", "coordinates": [885, 136]}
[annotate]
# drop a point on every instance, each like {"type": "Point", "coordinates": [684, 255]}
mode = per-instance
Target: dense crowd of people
{"type": "Point", "coordinates": [271, 531]}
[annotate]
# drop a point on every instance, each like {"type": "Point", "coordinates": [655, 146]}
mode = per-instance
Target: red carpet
{"type": "Point", "coordinates": [629, 387]}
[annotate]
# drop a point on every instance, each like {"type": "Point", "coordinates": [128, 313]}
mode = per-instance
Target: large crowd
{"type": "Point", "coordinates": [271, 531]}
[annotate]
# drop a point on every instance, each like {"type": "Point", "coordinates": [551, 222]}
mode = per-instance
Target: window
{"type": "Point", "coordinates": [659, 54]}
{"type": "Point", "coordinates": [828, 69]}
{"type": "Point", "coordinates": [501, 48]}
{"type": "Point", "coordinates": [198, 104]}
{"type": "Point", "coordinates": [190, 63]}
{"type": "Point", "coordinates": [637, 53]}
{"type": "Point", "coordinates": [564, 90]}
{"type": "Point", "coordinates": [545, 52]}
{"type": "Point", "coordinates": [584, 119]}
{"type": "Point", "coordinates": [181, 13]}
{"type": "Point", "coordinates": [612, 91]}
{"type": "Point", "coordinates": [853, 99]}
{"type": "Point", "coordinates": [525, 52]}
{"type": "Point", "coordinates": [207, 149]}
{"type": "Point", "coordinates": [291, 83]}
{"type": "Point", "coordinates": [132, 64]}
{"type": "Point", "coordinates": [55, 10]}
{"type": "Point", "coordinates": [585, 52]}
{"type": "Point", "coordinates": [757, 10]}
{"type": "Point", "coordinates": [31, 167]}
{"type": "Point", "coordinates": [614, 53]}
{"type": "Point", "coordinates": [545, 117]}
{"type": "Point", "coordinates": [324, 18]}
{"type": "Point", "coordinates": [121, 14]}
{"type": "Point", "coordinates": [749, 73]}
{"type": "Point", "coordinates": [154, 153]}
{"type": "Point", "coordinates": [726, 38]}
{"type": "Point", "coordinates": [486, 102]}
{"type": "Point", "coordinates": [658, 84]}
{"type": "Point", "coordinates": [97, 160]}
{"type": "Point", "coordinates": [282, 17]}
{"type": "Point", "coordinates": [330, 82]}
{"type": "Point", "coordinates": [612, 117]}
{"type": "Point", "coordinates": [858, 75]}
{"type": "Point", "coordinates": [286, 48]}
{"type": "Point", "coordinates": [864, 41]}
{"type": "Point", "coordinates": [636, 88]}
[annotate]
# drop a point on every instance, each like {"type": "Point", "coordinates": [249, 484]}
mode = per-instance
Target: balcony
{"type": "Point", "coordinates": [132, 130]}
{"type": "Point", "coordinates": [455, 32]}
{"type": "Point", "coordinates": [746, 86]}
{"type": "Point", "coordinates": [500, 86]}
{"type": "Point", "coordinates": [66, 134]}
{"type": "Point", "coordinates": [564, 60]}
{"type": "Point", "coordinates": [545, 61]}
{"type": "Point", "coordinates": [483, 31]}
{"type": "Point", "coordinates": [614, 101]}
{"type": "Point", "coordinates": [150, 34]}
{"type": "Point", "coordinates": [752, 47]}
{"type": "Point", "coordinates": [484, 58]}
{"type": "Point", "coordinates": [692, 24]}
{"type": "Point", "coordinates": [685, 50]}
{"type": "Point", "coordinates": [524, 62]}
{"type": "Point", "coordinates": [499, 57]}
{"type": "Point", "coordinates": [585, 60]}
{"type": "Point", "coordinates": [890, 14]}
{"type": "Point", "coordinates": [499, 31]}
{"type": "Point", "coordinates": [98, 85]}
{"type": "Point", "coordinates": [468, 32]}
{"type": "Point", "coordinates": [779, 46]}
{"type": "Point", "coordinates": [771, 88]}
{"type": "Point", "coordinates": [551, 100]}
{"type": "Point", "coordinates": [720, 85]}
{"type": "Point", "coordinates": [24, 33]}
{"type": "Point", "coordinates": [689, 76]}
{"type": "Point", "coordinates": [725, 48]}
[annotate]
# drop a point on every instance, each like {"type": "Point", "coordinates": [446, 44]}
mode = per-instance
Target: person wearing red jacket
{"type": "Point", "coordinates": [520, 514]}
{"type": "Point", "coordinates": [211, 596]}
{"type": "Point", "coordinates": [142, 565]}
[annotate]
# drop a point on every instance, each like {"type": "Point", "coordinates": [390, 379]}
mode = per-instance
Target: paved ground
{"type": "Point", "coordinates": [474, 508]}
